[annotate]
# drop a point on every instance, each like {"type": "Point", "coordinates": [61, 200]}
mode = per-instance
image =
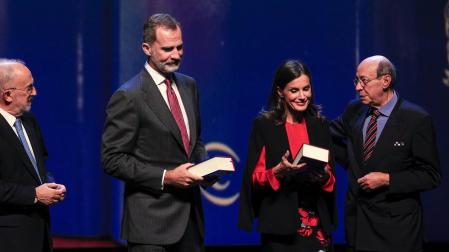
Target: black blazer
{"type": "Point", "coordinates": [387, 219]}
{"type": "Point", "coordinates": [140, 140]}
{"type": "Point", "coordinates": [277, 211]}
{"type": "Point", "coordinates": [22, 223]}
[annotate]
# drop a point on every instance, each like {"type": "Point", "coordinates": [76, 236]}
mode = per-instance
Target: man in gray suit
{"type": "Point", "coordinates": [151, 137]}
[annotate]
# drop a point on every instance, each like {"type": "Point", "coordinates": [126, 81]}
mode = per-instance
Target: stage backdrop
{"type": "Point", "coordinates": [81, 51]}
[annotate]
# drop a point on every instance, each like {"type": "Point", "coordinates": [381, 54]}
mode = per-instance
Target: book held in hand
{"type": "Point", "coordinates": [312, 156]}
{"type": "Point", "coordinates": [214, 167]}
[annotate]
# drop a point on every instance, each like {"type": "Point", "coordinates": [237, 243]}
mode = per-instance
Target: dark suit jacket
{"type": "Point", "coordinates": [387, 219]}
{"type": "Point", "coordinates": [277, 211]}
{"type": "Point", "coordinates": [140, 140]}
{"type": "Point", "coordinates": [24, 226]}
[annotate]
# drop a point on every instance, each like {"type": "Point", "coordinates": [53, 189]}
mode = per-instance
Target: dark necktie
{"type": "Point", "coordinates": [370, 137]}
{"type": "Point", "coordinates": [177, 114]}
{"type": "Point", "coordinates": [18, 126]}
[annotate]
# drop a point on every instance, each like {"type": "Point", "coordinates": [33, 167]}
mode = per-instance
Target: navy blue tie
{"type": "Point", "coordinates": [18, 126]}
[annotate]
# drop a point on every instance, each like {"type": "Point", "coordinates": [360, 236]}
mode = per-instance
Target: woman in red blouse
{"type": "Point", "coordinates": [294, 204]}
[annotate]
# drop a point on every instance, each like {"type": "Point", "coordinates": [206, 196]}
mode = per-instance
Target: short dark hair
{"type": "Point", "coordinates": [156, 21]}
{"type": "Point", "coordinates": [386, 67]}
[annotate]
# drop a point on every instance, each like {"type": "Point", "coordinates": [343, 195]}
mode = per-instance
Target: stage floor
{"type": "Point", "coordinates": [70, 244]}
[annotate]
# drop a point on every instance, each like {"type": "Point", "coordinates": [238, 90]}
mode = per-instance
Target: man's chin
{"type": "Point", "coordinates": [171, 69]}
{"type": "Point", "coordinates": [364, 100]}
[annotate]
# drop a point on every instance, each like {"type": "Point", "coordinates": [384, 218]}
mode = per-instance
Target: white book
{"type": "Point", "coordinates": [214, 167]}
{"type": "Point", "coordinates": [312, 156]}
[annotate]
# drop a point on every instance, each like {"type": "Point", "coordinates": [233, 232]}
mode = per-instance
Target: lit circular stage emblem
{"type": "Point", "coordinates": [219, 200]}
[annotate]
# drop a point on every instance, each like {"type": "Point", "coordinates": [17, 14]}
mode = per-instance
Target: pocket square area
{"type": "Point", "coordinates": [398, 144]}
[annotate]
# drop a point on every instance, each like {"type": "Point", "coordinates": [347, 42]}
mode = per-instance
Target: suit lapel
{"type": "Point", "coordinates": [312, 130]}
{"type": "Point", "coordinates": [392, 130]}
{"type": "Point", "coordinates": [36, 148]}
{"type": "Point", "coordinates": [189, 108]}
{"type": "Point", "coordinates": [153, 98]}
{"type": "Point", "coordinates": [281, 140]}
{"type": "Point", "coordinates": [14, 141]}
{"type": "Point", "coordinates": [358, 137]}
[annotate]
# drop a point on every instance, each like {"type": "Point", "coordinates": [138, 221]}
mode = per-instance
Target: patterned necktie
{"type": "Point", "coordinates": [370, 138]}
{"type": "Point", "coordinates": [177, 114]}
{"type": "Point", "coordinates": [18, 126]}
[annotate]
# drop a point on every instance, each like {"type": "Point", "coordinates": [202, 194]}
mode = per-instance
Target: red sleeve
{"type": "Point", "coordinates": [263, 177]}
{"type": "Point", "coordinates": [329, 186]}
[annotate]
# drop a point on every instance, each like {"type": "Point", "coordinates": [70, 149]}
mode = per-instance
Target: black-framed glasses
{"type": "Point", "coordinates": [364, 81]}
{"type": "Point", "coordinates": [28, 89]}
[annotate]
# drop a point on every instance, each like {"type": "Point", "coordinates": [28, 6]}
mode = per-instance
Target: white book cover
{"type": "Point", "coordinates": [312, 155]}
{"type": "Point", "coordinates": [217, 166]}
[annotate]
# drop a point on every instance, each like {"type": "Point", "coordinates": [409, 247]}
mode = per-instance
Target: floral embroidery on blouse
{"type": "Point", "coordinates": [309, 226]}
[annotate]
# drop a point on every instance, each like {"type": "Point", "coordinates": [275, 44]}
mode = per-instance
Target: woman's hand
{"type": "Point", "coordinates": [319, 177]}
{"type": "Point", "coordinates": [285, 166]}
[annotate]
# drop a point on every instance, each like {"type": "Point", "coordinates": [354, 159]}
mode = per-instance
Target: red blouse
{"type": "Point", "coordinates": [297, 136]}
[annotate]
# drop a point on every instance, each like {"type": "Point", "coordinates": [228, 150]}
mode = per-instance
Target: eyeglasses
{"type": "Point", "coordinates": [364, 81]}
{"type": "Point", "coordinates": [28, 89]}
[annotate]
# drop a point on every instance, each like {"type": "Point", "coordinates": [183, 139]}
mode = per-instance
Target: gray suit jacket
{"type": "Point", "coordinates": [140, 140]}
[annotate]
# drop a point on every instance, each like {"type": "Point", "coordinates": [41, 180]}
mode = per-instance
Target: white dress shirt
{"type": "Point", "coordinates": [159, 81]}
{"type": "Point", "coordinates": [11, 121]}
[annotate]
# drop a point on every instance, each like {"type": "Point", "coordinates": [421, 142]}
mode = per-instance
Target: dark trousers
{"type": "Point", "coordinates": [290, 243]}
{"type": "Point", "coordinates": [191, 241]}
{"type": "Point", "coordinates": [13, 238]}
{"type": "Point", "coordinates": [352, 249]}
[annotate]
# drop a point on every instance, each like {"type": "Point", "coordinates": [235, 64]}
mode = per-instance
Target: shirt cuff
{"type": "Point", "coordinates": [163, 177]}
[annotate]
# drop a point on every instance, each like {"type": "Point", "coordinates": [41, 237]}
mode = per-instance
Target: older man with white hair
{"type": "Point", "coordinates": [24, 192]}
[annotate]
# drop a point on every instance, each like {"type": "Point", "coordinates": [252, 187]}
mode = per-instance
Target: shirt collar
{"type": "Point", "coordinates": [8, 117]}
{"type": "Point", "coordinates": [155, 75]}
{"type": "Point", "coordinates": [386, 109]}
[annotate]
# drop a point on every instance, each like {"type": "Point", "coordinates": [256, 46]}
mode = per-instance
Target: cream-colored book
{"type": "Point", "coordinates": [214, 167]}
{"type": "Point", "coordinates": [312, 156]}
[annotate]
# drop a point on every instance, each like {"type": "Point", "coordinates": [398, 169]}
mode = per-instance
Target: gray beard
{"type": "Point", "coordinates": [167, 69]}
